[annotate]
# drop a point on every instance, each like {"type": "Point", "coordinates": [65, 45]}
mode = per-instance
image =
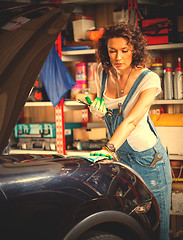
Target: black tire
{"type": "Point", "coordinates": [98, 235]}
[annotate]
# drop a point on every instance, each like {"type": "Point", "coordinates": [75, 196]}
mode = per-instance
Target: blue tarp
{"type": "Point", "coordinates": [55, 77]}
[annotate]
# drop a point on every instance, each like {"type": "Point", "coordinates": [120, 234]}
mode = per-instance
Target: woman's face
{"type": "Point", "coordinates": [120, 53]}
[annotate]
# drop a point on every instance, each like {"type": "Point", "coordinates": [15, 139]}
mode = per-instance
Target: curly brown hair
{"type": "Point", "coordinates": [141, 57]}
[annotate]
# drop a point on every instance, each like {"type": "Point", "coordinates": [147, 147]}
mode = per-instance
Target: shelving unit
{"type": "Point", "coordinates": [164, 47]}
{"type": "Point", "coordinates": [176, 213]}
{"type": "Point", "coordinates": [78, 55]}
{"type": "Point", "coordinates": [68, 152]}
{"type": "Point", "coordinates": [68, 105]}
{"type": "Point", "coordinates": [72, 104]}
{"type": "Point", "coordinates": [74, 56]}
{"type": "Point", "coordinates": [157, 102]}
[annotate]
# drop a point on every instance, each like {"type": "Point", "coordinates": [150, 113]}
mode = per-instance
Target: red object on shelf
{"type": "Point", "coordinates": [156, 30]}
{"type": "Point", "coordinates": [85, 117]}
{"type": "Point", "coordinates": [60, 128]}
{"type": "Point", "coordinates": [36, 84]}
{"type": "Point", "coordinates": [38, 95]}
{"type": "Point", "coordinates": [132, 11]}
{"type": "Point", "coordinates": [95, 34]}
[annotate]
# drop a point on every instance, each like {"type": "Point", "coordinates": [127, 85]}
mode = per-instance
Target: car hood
{"type": "Point", "coordinates": [28, 173]}
{"type": "Point", "coordinates": [27, 34]}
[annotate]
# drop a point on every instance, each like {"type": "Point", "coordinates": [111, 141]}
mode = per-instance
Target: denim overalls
{"type": "Point", "coordinates": [153, 164]}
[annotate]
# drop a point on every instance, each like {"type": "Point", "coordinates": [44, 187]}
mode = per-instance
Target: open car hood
{"type": "Point", "coordinates": [27, 34]}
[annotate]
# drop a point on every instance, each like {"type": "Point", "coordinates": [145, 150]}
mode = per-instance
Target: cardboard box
{"type": "Point", "coordinates": [81, 27]}
{"type": "Point", "coordinates": [36, 130]}
{"type": "Point", "coordinates": [172, 138]}
{"type": "Point", "coordinates": [177, 201]}
{"type": "Point", "coordinates": [120, 16]}
{"type": "Point", "coordinates": [82, 96]}
{"type": "Point", "coordinates": [73, 116]}
{"type": "Point", "coordinates": [69, 133]}
{"type": "Point", "coordinates": [177, 186]}
{"type": "Point", "coordinates": [89, 134]}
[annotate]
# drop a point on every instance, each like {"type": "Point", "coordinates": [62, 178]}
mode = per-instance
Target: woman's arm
{"type": "Point", "coordinates": [135, 115]}
{"type": "Point", "coordinates": [98, 78]}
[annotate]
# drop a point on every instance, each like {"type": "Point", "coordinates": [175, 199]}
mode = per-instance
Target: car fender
{"type": "Point", "coordinates": [104, 217]}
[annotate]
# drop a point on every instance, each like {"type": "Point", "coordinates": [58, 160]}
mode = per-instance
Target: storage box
{"type": "Point", "coordinates": [43, 136]}
{"type": "Point", "coordinates": [69, 133]}
{"type": "Point", "coordinates": [172, 139]}
{"type": "Point", "coordinates": [29, 143]}
{"type": "Point", "coordinates": [81, 27]}
{"type": "Point", "coordinates": [39, 130]}
{"type": "Point", "coordinates": [120, 16]}
{"type": "Point", "coordinates": [89, 134]}
{"type": "Point", "coordinates": [156, 30]}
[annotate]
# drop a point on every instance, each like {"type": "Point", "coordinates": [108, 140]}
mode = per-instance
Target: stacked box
{"type": "Point", "coordinates": [42, 135]}
{"type": "Point", "coordinates": [81, 27]}
{"type": "Point", "coordinates": [39, 130]}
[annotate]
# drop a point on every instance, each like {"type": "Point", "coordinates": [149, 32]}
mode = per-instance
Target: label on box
{"type": "Point", "coordinates": [68, 132]}
{"type": "Point", "coordinates": [177, 201]}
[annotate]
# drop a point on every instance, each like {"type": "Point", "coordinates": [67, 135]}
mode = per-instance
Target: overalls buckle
{"type": "Point", "coordinates": [109, 112]}
{"type": "Point", "coordinates": [120, 109]}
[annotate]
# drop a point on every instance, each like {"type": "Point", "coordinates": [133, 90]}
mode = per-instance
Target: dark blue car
{"type": "Point", "coordinates": [57, 197]}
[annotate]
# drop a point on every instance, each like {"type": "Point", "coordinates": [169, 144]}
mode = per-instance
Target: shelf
{"type": "Point", "coordinates": [71, 105]}
{"type": "Point", "coordinates": [173, 101]}
{"type": "Point", "coordinates": [68, 152]}
{"type": "Point", "coordinates": [176, 157]}
{"type": "Point", "coordinates": [153, 2]}
{"type": "Point", "coordinates": [96, 125]}
{"type": "Point", "coordinates": [38, 104]}
{"type": "Point", "coordinates": [78, 52]}
{"type": "Point", "coordinates": [176, 213]}
{"type": "Point", "coordinates": [74, 105]}
{"type": "Point", "coordinates": [150, 47]}
{"type": "Point", "coordinates": [68, 105]}
{"type": "Point", "coordinates": [21, 151]}
{"type": "Point", "coordinates": [78, 55]}
{"type": "Point", "coordinates": [165, 46]}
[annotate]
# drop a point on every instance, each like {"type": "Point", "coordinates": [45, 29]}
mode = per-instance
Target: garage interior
{"type": "Point", "coordinates": [82, 131]}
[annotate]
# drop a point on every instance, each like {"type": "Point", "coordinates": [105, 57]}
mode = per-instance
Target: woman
{"type": "Point", "coordinates": [128, 89]}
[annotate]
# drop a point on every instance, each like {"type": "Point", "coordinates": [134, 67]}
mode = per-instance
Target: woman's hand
{"type": "Point", "coordinates": [97, 107]}
{"type": "Point", "coordinates": [105, 152]}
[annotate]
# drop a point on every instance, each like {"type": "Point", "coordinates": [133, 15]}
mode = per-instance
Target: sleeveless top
{"type": "Point", "coordinates": [142, 137]}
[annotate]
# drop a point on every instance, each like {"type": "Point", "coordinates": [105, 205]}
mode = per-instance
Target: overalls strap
{"type": "Point", "coordinates": [134, 87]}
{"type": "Point", "coordinates": [104, 77]}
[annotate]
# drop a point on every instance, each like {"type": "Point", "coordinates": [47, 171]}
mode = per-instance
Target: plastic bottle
{"type": "Point", "coordinates": [81, 74]}
{"type": "Point", "coordinates": [178, 81]}
{"type": "Point", "coordinates": [168, 82]}
{"type": "Point", "coordinates": [158, 68]}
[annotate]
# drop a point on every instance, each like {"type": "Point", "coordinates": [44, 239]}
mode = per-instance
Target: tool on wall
{"type": "Point", "coordinates": [132, 12]}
